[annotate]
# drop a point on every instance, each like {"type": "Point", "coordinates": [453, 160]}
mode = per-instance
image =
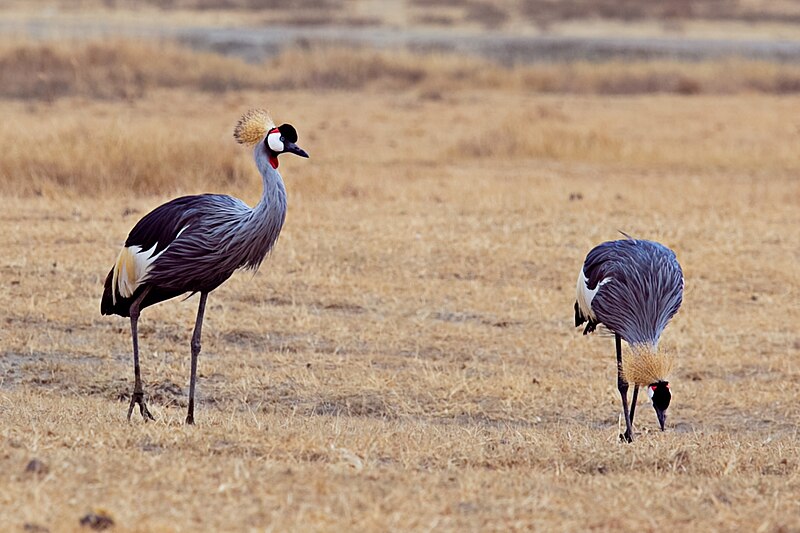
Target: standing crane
{"type": "Point", "coordinates": [193, 244]}
{"type": "Point", "coordinates": [633, 287]}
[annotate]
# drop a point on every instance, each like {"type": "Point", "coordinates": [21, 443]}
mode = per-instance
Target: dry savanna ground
{"type": "Point", "coordinates": [405, 359]}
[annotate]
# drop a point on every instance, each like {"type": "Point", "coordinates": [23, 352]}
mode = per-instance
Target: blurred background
{"type": "Point", "coordinates": [512, 32]}
{"type": "Point", "coordinates": [105, 52]}
{"type": "Point", "coordinates": [520, 33]}
{"type": "Point", "coordinates": [406, 357]}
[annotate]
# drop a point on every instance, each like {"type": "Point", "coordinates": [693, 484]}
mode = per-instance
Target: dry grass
{"type": "Point", "coordinates": [406, 358]}
{"type": "Point", "coordinates": [130, 69]}
{"type": "Point", "coordinates": [121, 69]}
{"type": "Point", "coordinates": [173, 142]}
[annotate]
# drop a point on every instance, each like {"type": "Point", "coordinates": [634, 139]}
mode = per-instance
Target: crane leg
{"type": "Point", "coordinates": [633, 401]}
{"type": "Point", "coordinates": [622, 385]}
{"type": "Point", "coordinates": [138, 393]}
{"type": "Point", "coordinates": [198, 328]}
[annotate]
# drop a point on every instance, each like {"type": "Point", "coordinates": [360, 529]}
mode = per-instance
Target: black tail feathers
{"type": "Point", "coordinates": [580, 319]}
{"type": "Point", "coordinates": [107, 306]}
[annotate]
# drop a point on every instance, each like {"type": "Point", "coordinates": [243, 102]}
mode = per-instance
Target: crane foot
{"type": "Point", "coordinates": [625, 437]}
{"type": "Point", "coordinates": [138, 397]}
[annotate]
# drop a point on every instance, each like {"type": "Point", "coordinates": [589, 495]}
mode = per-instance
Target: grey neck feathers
{"type": "Point", "coordinates": [274, 194]}
{"type": "Point", "coordinates": [267, 217]}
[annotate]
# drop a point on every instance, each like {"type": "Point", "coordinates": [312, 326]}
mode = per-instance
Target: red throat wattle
{"type": "Point", "coordinates": [273, 157]}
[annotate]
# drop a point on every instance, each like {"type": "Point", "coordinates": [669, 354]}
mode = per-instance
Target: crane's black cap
{"type": "Point", "coordinates": [288, 132]}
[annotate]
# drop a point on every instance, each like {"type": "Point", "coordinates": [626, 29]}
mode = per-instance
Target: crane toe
{"type": "Point", "coordinates": [138, 398]}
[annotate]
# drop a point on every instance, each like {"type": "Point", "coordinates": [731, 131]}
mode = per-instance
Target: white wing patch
{"type": "Point", "coordinates": [132, 267]}
{"type": "Point", "coordinates": [585, 295]}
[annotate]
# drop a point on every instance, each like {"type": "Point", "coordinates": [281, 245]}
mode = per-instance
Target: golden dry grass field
{"type": "Point", "coordinates": [406, 358]}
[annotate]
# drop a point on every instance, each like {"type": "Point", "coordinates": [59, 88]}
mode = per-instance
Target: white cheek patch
{"type": "Point", "coordinates": [274, 142]}
{"type": "Point", "coordinates": [650, 392]}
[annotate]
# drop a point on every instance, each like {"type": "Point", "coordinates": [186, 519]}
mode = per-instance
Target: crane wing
{"type": "Point", "coordinates": [148, 239]}
{"type": "Point", "coordinates": [158, 228]}
{"type": "Point", "coordinates": [592, 276]}
{"type": "Point", "coordinates": [636, 286]}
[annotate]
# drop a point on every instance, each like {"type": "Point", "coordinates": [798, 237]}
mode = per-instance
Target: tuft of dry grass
{"type": "Point", "coordinates": [108, 151]}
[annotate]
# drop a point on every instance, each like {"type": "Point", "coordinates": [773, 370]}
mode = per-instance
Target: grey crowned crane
{"type": "Point", "coordinates": [633, 287]}
{"type": "Point", "coordinates": [194, 243]}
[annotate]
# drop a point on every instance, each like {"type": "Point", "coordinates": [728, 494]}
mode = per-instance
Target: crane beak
{"type": "Point", "coordinates": [291, 147]}
{"type": "Point", "coordinates": [662, 417]}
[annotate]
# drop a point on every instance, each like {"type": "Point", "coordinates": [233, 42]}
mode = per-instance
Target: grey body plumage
{"type": "Point", "coordinates": [633, 288]}
{"type": "Point", "coordinates": [193, 244]}
{"type": "Point", "coordinates": [639, 286]}
{"type": "Point", "coordinates": [218, 235]}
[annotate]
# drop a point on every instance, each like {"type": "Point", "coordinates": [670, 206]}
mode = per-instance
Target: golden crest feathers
{"type": "Point", "coordinates": [643, 365]}
{"type": "Point", "coordinates": [252, 127]}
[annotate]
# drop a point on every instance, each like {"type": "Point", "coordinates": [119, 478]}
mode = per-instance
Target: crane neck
{"type": "Point", "coordinates": [274, 195]}
{"type": "Point", "coordinates": [259, 228]}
